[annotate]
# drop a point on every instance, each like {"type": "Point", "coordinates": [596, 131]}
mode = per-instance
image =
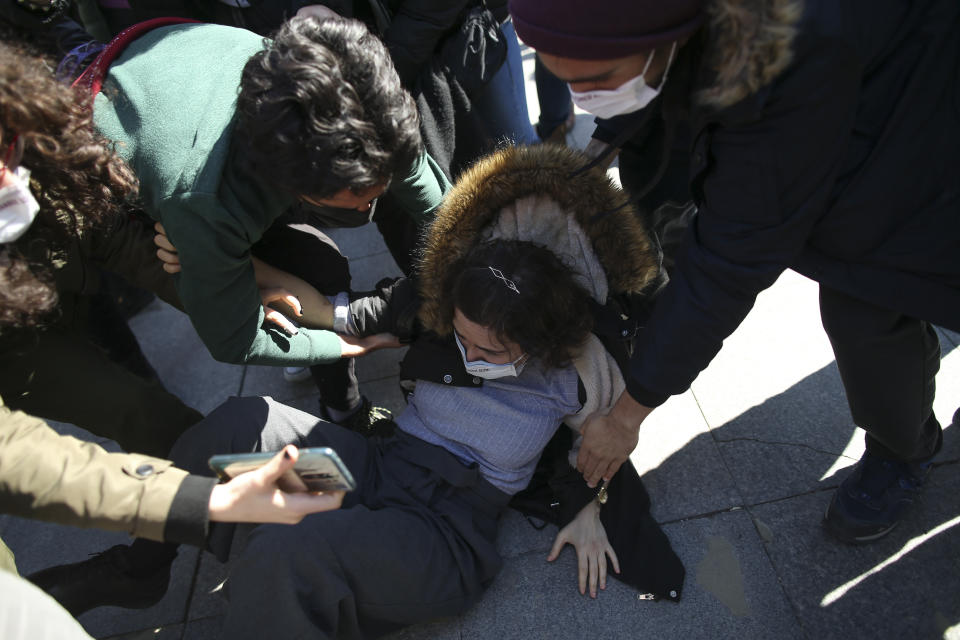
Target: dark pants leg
{"type": "Point", "coordinates": [304, 251]}
{"type": "Point", "coordinates": [554, 98]}
{"type": "Point", "coordinates": [60, 375]}
{"type": "Point", "coordinates": [382, 561]}
{"type": "Point", "coordinates": [887, 362]}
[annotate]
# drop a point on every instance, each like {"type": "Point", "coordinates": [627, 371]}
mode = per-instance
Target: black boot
{"type": "Point", "coordinates": [106, 579]}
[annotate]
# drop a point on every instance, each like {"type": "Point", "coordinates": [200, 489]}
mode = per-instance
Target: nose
{"type": "Point", "coordinates": [474, 354]}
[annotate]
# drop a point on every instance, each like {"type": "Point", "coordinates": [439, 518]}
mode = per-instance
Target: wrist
{"type": "Point", "coordinates": [628, 414]}
{"type": "Point", "coordinates": [220, 500]}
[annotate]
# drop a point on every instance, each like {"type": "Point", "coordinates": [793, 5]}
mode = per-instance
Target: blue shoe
{"type": "Point", "coordinates": [873, 499]}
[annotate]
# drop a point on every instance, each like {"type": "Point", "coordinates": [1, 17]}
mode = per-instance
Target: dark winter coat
{"type": "Point", "coordinates": [822, 137]}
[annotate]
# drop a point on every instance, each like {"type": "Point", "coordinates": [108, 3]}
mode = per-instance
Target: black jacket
{"type": "Point", "coordinates": [832, 151]}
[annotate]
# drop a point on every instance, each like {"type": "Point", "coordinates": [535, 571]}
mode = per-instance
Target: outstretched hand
{"type": "Point", "coordinates": [586, 533]}
{"type": "Point", "coordinates": [352, 346]}
{"type": "Point", "coordinates": [255, 496]}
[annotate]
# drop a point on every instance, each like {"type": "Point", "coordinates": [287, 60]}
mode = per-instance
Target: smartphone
{"type": "Point", "coordinates": [317, 469]}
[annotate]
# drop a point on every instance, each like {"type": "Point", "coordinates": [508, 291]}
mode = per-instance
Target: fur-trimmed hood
{"type": "Point", "coordinates": [748, 44]}
{"type": "Point", "coordinates": [535, 193]}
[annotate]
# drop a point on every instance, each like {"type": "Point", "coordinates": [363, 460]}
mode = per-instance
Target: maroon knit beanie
{"type": "Point", "coordinates": [603, 29]}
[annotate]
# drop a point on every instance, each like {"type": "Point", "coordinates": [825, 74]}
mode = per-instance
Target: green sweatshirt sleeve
{"type": "Point", "coordinates": [421, 191]}
{"type": "Point", "coordinates": [219, 292]}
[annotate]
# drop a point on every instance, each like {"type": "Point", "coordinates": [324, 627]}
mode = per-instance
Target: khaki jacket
{"type": "Point", "coordinates": [47, 476]}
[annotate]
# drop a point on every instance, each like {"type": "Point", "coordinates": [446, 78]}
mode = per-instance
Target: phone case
{"type": "Point", "coordinates": [317, 469]}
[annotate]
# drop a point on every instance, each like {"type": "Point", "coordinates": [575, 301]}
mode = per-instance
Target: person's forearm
{"type": "Point", "coordinates": [317, 309]}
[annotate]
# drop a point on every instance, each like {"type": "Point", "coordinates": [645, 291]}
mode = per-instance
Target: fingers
{"type": "Point", "coordinates": [595, 568]}
{"type": "Point", "coordinates": [277, 318]}
{"type": "Point", "coordinates": [613, 558]}
{"type": "Point", "coordinates": [279, 294]}
{"type": "Point", "coordinates": [583, 571]}
{"type": "Point", "coordinates": [558, 543]}
{"type": "Point", "coordinates": [601, 577]}
{"type": "Point", "coordinates": [611, 470]}
{"type": "Point", "coordinates": [303, 504]}
{"type": "Point", "coordinates": [591, 469]}
{"type": "Point", "coordinates": [171, 262]}
{"type": "Point", "coordinates": [278, 465]}
{"type": "Point", "coordinates": [294, 303]}
{"type": "Point", "coordinates": [163, 242]}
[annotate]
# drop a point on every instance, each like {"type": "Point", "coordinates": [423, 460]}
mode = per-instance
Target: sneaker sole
{"type": "Point", "coordinates": [842, 536]}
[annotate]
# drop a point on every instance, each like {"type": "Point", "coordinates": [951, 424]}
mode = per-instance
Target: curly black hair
{"type": "Point", "coordinates": [321, 110]}
{"type": "Point", "coordinates": [523, 293]}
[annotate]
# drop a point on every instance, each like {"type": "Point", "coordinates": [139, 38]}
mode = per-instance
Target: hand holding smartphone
{"type": "Point", "coordinates": [317, 469]}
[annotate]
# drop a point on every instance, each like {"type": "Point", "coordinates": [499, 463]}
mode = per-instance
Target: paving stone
{"type": "Point", "coordinates": [259, 380]}
{"type": "Point", "coordinates": [360, 242]}
{"type": "Point", "coordinates": [38, 545]}
{"type": "Point", "coordinates": [532, 598]}
{"type": "Point", "coordinates": [182, 361]}
{"type": "Point", "coordinates": [951, 337]}
{"type": "Point", "coordinates": [679, 463]}
{"type": "Point", "coordinates": [446, 629]}
{"type": "Point", "coordinates": [517, 536]}
{"type": "Point", "coordinates": [903, 586]}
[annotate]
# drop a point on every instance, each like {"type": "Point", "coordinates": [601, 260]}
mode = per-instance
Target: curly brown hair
{"type": "Point", "coordinates": [76, 178]}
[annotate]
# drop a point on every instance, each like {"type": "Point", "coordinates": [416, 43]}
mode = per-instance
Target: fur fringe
{"type": "Point", "coordinates": [621, 243]}
{"type": "Point", "coordinates": [750, 44]}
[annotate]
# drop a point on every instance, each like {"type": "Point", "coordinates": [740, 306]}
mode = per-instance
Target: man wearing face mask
{"type": "Point", "coordinates": [816, 136]}
{"type": "Point", "coordinates": [229, 155]}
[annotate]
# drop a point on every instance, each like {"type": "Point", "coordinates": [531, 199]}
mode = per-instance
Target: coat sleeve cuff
{"type": "Point", "coordinates": [189, 516]}
{"type": "Point", "coordinates": [643, 395]}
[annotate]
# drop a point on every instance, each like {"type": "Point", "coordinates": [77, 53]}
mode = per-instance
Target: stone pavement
{"type": "Point", "coordinates": [739, 468]}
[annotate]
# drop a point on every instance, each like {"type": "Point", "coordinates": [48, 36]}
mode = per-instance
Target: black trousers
{"type": "Point", "coordinates": [300, 248]}
{"type": "Point", "coordinates": [887, 362]}
{"type": "Point", "coordinates": [415, 541]}
{"type": "Point", "coordinates": [60, 373]}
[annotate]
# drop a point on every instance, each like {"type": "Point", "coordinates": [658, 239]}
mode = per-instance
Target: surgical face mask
{"type": "Point", "coordinates": [18, 207]}
{"type": "Point", "coordinates": [631, 96]}
{"type": "Point", "coordinates": [488, 370]}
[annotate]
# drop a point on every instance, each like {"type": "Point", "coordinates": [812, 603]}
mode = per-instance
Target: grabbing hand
{"type": "Point", "coordinates": [609, 439]}
{"type": "Point", "coordinates": [255, 497]}
{"type": "Point", "coordinates": [586, 533]}
{"type": "Point", "coordinates": [278, 294]}
{"type": "Point", "coordinates": [606, 446]}
{"type": "Point", "coordinates": [165, 250]}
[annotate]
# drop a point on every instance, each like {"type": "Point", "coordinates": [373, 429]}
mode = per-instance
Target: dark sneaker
{"type": "Point", "coordinates": [872, 500]}
{"type": "Point", "coordinates": [367, 420]}
{"type": "Point", "coordinates": [103, 580]}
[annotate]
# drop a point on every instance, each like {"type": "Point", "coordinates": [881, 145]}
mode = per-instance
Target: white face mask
{"type": "Point", "coordinates": [488, 370]}
{"type": "Point", "coordinates": [18, 207]}
{"type": "Point", "coordinates": [631, 96]}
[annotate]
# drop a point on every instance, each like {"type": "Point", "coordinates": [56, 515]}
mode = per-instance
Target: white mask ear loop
{"type": "Point", "coordinates": [673, 51]}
